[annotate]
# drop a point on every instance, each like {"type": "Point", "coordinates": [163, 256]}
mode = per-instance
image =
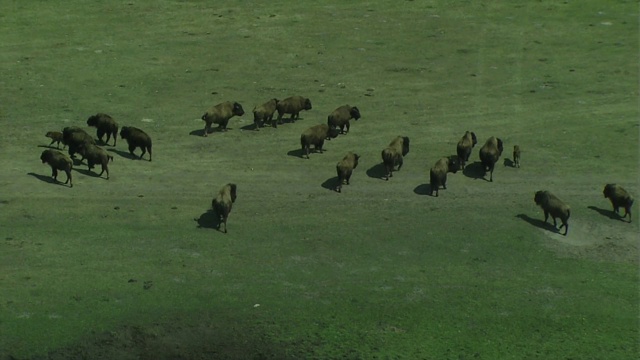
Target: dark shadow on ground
{"type": "Point", "coordinates": [49, 179]}
{"type": "Point", "coordinates": [208, 220]}
{"type": "Point", "coordinates": [508, 162]}
{"type": "Point", "coordinates": [200, 132]}
{"type": "Point", "coordinates": [91, 173]}
{"type": "Point", "coordinates": [124, 154]}
{"type": "Point", "coordinates": [297, 153]}
{"type": "Point", "coordinates": [608, 213]}
{"type": "Point", "coordinates": [331, 183]}
{"type": "Point", "coordinates": [52, 147]}
{"type": "Point", "coordinates": [474, 170]}
{"type": "Point", "coordinates": [538, 223]}
{"type": "Point", "coordinates": [250, 127]}
{"type": "Point", "coordinates": [423, 189]}
{"type": "Point", "coordinates": [377, 171]}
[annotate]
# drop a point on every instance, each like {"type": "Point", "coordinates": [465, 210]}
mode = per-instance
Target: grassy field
{"type": "Point", "coordinates": [132, 268]}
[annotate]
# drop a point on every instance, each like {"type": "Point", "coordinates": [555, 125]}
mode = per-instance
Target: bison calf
{"type": "Point", "coordinates": [220, 114]}
{"type": "Point", "coordinates": [438, 173]}
{"type": "Point", "coordinates": [490, 154]}
{"type": "Point", "coordinates": [516, 156]}
{"type": "Point", "coordinates": [222, 204]}
{"type": "Point", "coordinates": [465, 146]}
{"type": "Point", "coordinates": [316, 135]}
{"type": "Point", "coordinates": [619, 198]}
{"type": "Point", "coordinates": [555, 207]}
{"type": "Point", "coordinates": [340, 117]}
{"type": "Point", "coordinates": [56, 137]}
{"type": "Point", "coordinates": [136, 138]}
{"type": "Point", "coordinates": [264, 113]}
{"type": "Point", "coordinates": [393, 155]}
{"type": "Point", "coordinates": [104, 124]}
{"type": "Point", "coordinates": [345, 168]}
{"type": "Point", "coordinates": [292, 105]}
{"type": "Point", "coordinates": [58, 161]}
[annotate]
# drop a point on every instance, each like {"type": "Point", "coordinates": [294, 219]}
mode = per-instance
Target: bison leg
{"type": "Point", "coordinates": [54, 173]}
{"type": "Point", "coordinates": [400, 162]}
{"type": "Point", "coordinates": [131, 148]}
{"type": "Point", "coordinates": [144, 151]}
{"type": "Point", "coordinates": [546, 216]}
{"type": "Point", "coordinates": [348, 126]}
{"type": "Point", "coordinates": [68, 172]}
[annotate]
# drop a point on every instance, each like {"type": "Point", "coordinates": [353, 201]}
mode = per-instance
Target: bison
{"type": "Point", "coordinates": [96, 155]}
{"type": "Point", "coordinates": [223, 202]}
{"type": "Point", "coordinates": [220, 114]}
{"type": "Point", "coordinates": [340, 117]}
{"type": "Point", "coordinates": [292, 105]}
{"type": "Point", "coordinates": [516, 156]}
{"type": "Point", "coordinates": [490, 154]}
{"type": "Point", "coordinates": [555, 207]}
{"type": "Point", "coordinates": [316, 135]}
{"type": "Point", "coordinates": [74, 137]}
{"type": "Point", "coordinates": [58, 161]}
{"type": "Point", "coordinates": [56, 137]}
{"type": "Point", "coordinates": [104, 124]}
{"type": "Point", "coordinates": [619, 198]}
{"type": "Point", "coordinates": [438, 173]}
{"type": "Point", "coordinates": [345, 168]}
{"type": "Point", "coordinates": [136, 138]}
{"type": "Point", "coordinates": [393, 155]}
{"type": "Point", "coordinates": [264, 113]}
{"type": "Point", "coordinates": [465, 145]}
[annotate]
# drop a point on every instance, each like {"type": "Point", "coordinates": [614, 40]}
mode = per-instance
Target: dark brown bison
{"type": "Point", "coordinates": [292, 105]}
{"type": "Point", "coordinates": [74, 137]}
{"type": "Point", "coordinates": [104, 124]}
{"type": "Point", "coordinates": [516, 156]}
{"type": "Point", "coordinates": [438, 173]}
{"type": "Point", "coordinates": [490, 154]}
{"type": "Point", "coordinates": [345, 168]}
{"type": "Point", "coordinates": [465, 145]}
{"type": "Point", "coordinates": [136, 138]}
{"type": "Point", "coordinates": [316, 135]}
{"type": "Point", "coordinates": [58, 161]}
{"type": "Point", "coordinates": [264, 113]}
{"type": "Point", "coordinates": [220, 114]}
{"type": "Point", "coordinates": [56, 137]}
{"type": "Point", "coordinates": [340, 117]}
{"type": "Point", "coordinates": [222, 204]}
{"type": "Point", "coordinates": [96, 155]}
{"type": "Point", "coordinates": [553, 206]}
{"type": "Point", "coordinates": [393, 155]}
{"type": "Point", "coordinates": [619, 198]}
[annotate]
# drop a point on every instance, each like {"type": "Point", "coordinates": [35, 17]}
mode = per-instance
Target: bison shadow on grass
{"type": "Point", "coordinates": [508, 162]}
{"type": "Point", "coordinates": [474, 171]}
{"type": "Point", "coordinates": [538, 223]}
{"type": "Point", "coordinates": [46, 178]}
{"type": "Point", "coordinates": [208, 220]}
{"type": "Point", "coordinates": [88, 172]}
{"type": "Point", "coordinates": [331, 183]}
{"type": "Point", "coordinates": [200, 132]}
{"type": "Point", "coordinates": [296, 153]}
{"type": "Point", "coordinates": [608, 213]}
{"type": "Point", "coordinates": [124, 154]}
{"type": "Point", "coordinates": [423, 189]}
{"type": "Point", "coordinates": [377, 171]}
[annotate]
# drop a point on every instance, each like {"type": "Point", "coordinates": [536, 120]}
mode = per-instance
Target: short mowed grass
{"type": "Point", "coordinates": [131, 267]}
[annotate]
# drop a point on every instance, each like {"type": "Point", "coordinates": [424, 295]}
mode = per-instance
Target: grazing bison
{"type": "Point", "coordinates": [56, 137]}
{"type": "Point", "coordinates": [465, 145]}
{"type": "Point", "coordinates": [345, 168]}
{"type": "Point", "coordinates": [104, 124]}
{"type": "Point", "coordinates": [316, 135]}
{"type": "Point", "coordinates": [264, 113]}
{"type": "Point", "coordinates": [136, 138]}
{"type": "Point", "coordinates": [438, 173]}
{"type": "Point", "coordinates": [74, 137]}
{"type": "Point", "coordinates": [58, 161]}
{"type": "Point", "coordinates": [340, 117]}
{"type": "Point", "coordinates": [220, 114]}
{"type": "Point", "coordinates": [223, 202]}
{"type": "Point", "coordinates": [516, 156]}
{"type": "Point", "coordinates": [393, 155]}
{"type": "Point", "coordinates": [553, 206]}
{"type": "Point", "coordinates": [96, 155]}
{"type": "Point", "coordinates": [292, 105]}
{"type": "Point", "coordinates": [619, 198]}
{"type": "Point", "coordinates": [490, 154]}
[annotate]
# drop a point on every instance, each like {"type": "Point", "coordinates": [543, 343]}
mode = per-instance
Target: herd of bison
{"type": "Point", "coordinates": [79, 141]}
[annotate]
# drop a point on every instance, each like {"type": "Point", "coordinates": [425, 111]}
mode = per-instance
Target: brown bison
{"type": "Point", "coordinates": [465, 145]}
{"type": "Point", "coordinates": [58, 161]}
{"type": "Point", "coordinates": [56, 137]}
{"type": "Point", "coordinates": [393, 155]}
{"type": "Point", "coordinates": [316, 135]}
{"type": "Point", "coordinates": [438, 173]}
{"type": "Point", "coordinates": [553, 206]}
{"type": "Point", "coordinates": [292, 105]}
{"type": "Point", "coordinates": [220, 114]}
{"type": "Point", "coordinates": [136, 138]}
{"type": "Point", "coordinates": [490, 154]}
{"type": "Point", "coordinates": [340, 117]}
{"type": "Point", "coordinates": [516, 156]}
{"type": "Point", "coordinates": [619, 198]}
{"type": "Point", "coordinates": [96, 155]}
{"type": "Point", "coordinates": [222, 204]}
{"type": "Point", "coordinates": [74, 137]}
{"type": "Point", "coordinates": [345, 168]}
{"type": "Point", "coordinates": [264, 113]}
{"type": "Point", "coordinates": [104, 124]}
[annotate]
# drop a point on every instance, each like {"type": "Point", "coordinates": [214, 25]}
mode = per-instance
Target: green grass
{"type": "Point", "coordinates": [378, 271]}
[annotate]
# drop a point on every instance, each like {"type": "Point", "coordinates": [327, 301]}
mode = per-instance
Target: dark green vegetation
{"type": "Point", "coordinates": [131, 268]}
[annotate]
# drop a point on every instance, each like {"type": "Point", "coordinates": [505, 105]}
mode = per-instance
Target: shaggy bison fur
{"type": "Point", "coordinates": [393, 155]}
{"type": "Point", "coordinates": [465, 145]}
{"type": "Point", "coordinates": [292, 105]}
{"type": "Point", "coordinates": [222, 204]}
{"type": "Point", "coordinates": [516, 156]}
{"type": "Point", "coordinates": [56, 137]}
{"type": "Point", "coordinates": [104, 124]}
{"type": "Point", "coordinates": [340, 117]}
{"type": "Point", "coordinates": [316, 135]}
{"type": "Point", "coordinates": [58, 161]}
{"type": "Point", "coordinates": [619, 198]}
{"type": "Point", "coordinates": [220, 114]}
{"type": "Point", "coordinates": [264, 113]}
{"type": "Point", "coordinates": [555, 207]}
{"type": "Point", "coordinates": [490, 154]}
{"type": "Point", "coordinates": [96, 155]}
{"type": "Point", "coordinates": [74, 137]}
{"type": "Point", "coordinates": [345, 168]}
{"type": "Point", "coordinates": [136, 138]}
{"type": "Point", "coordinates": [438, 173]}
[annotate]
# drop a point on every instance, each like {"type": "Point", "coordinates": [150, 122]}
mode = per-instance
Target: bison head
{"type": "Point", "coordinates": [307, 104]}
{"type": "Point", "coordinates": [539, 197]}
{"type": "Point", "coordinates": [355, 113]}
{"type": "Point", "coordinates": [500, 146]}
{"type": "Point", "coordinates": [237, 109]}
{"type": "Point", "coordinates": [405, 145]}
{"type": "Point", "coordinates": [474, 139]}
{"type": "Point", "coordinates": [233, 188]}
{"type": "Point", "coordinates": [454, 164]}
{"type": "Point", "coordinates": [45, 156]}
{"type": "Point", "coordinates": [124, 132]}
{"type": "Point", "coordinates": [332, 132]}
{"type": "Point", "coordinates": [608, 190]}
